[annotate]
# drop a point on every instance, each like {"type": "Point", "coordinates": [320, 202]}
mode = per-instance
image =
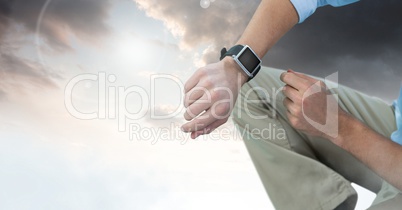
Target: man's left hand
{"type": "Point", "coordinates": [311, 107]}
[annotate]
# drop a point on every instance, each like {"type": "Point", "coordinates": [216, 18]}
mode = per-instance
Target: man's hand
{"type": "Point", "coordinates": [310, 106]}
{"type": "Point", "coordinates": [210, 86]}
{"type": "Point", "coordinates": [210, 95]}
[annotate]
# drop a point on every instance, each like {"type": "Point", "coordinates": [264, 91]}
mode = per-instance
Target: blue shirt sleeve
{"type": "Point", "coordinates": [305, 8]}
{"type": "Point", "coordinates": [397, 135]}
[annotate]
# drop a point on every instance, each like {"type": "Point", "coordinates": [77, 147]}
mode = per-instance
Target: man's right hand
{"type": "Point", "coordinates": [210, 95]}
{"type": "Point", "coordinates": [214, 88]}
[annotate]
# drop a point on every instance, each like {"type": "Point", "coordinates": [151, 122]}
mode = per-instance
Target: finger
{"type": "Point", "coordinates": [306, 77]}
{"type": "Point", "coordinates": [294, 80]}
{"type": "Point", "coordinates": [287, 102]}
{"type": "Point", "coordinates": [290, 106]}
{"type": "Point", "coordinates": [196, 134]}
{"type": "Point", "coordinates": [209, 129]}
{"type": "Point", "coordinates": [192, 81]}
{"type": "Point", "coordinates": [293, 121]}
{"type": "Point", "coordinates": [199, 122]}
{"type": "Point", "coordinates": [198, 107]}
{"type": "Point", "coordinates": [193, 95]}
{"type": "Point", "coordinates": [292, 94]}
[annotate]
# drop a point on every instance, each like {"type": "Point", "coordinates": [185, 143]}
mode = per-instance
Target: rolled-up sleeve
{"type": "Point", "coordinates": [305, 8]}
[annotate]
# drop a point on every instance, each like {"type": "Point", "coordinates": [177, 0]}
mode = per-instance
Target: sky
{"type": "Point", "coordinates": [90, 97]}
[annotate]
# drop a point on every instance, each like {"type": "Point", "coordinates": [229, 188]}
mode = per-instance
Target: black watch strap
{"type": "Point", "coordinates": [232, 51]}
{"type": "Point", "coordinates": [235, 50]}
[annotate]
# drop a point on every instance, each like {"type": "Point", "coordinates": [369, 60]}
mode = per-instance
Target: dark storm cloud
{"type": "Point", "coordinates": [4, 12]}
{"type": "Point", "coordinates": [365, 30]}
{"type": "Point", "coordinates": [362, 41]}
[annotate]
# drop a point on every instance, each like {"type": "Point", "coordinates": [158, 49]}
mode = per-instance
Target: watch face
{"type": "Point", "coordinates": [249, 60]}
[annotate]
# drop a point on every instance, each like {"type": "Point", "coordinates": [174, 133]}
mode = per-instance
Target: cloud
{"type": "Point", "coordinates": [3, 95]}
{"type": "Point", "coordinates": [86, 19]}
{"type": "Point", "coordinates": [4, 12]}
{"type": "Point", "coordinates": [218, 25]}
{"type": "Point", "coordinates": [18, 75]}
{"type": "Point", "coordinates": [164, 44]}
{"type": "Point", "coordinates": [58, 21]}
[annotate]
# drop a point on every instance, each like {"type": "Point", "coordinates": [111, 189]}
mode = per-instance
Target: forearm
{"type": "Point", "coordinates": [270, 22]}
{"type": "Point", "coordinates": [380, 154]}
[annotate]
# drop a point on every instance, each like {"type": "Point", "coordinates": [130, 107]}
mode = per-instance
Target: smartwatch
{"type": "Point", "coordinates": [245, 57]}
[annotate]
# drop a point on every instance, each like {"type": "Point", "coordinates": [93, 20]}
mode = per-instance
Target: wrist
{"type": "Point", "coordinates": [347, 126]}
{"type": "Point", "coordinates": [232, 67]}
{"type": "Point", "coordinates": [243, 59]}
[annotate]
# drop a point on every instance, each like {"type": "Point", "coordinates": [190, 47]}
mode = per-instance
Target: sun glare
{"type": "Point", "coordinates": [132, 51]}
